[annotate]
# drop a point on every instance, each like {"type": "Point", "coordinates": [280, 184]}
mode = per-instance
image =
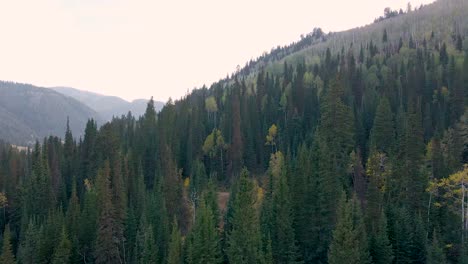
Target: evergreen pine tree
{"type": "Point", "coordinates": [349, 244]}
{"type": "Point", "coordinates": [465, 76]}
{"type": "Point", "coordinates": [268, 255]}
{"type": "Point", "coordinates": [335, 142]}
{"type": "Point", "coordinates": [435, 252]}
{"type": "Point", "coordinates": [150, 250]}
{"type": "Point", "coordinates": [244, 242]}
{"type": "Point", "coordinates": [383, 132]}
{"type": "Point", "coordinates": [7, 256]}
{"type": "Point", "coordinates": [29, 245]}
{"type": "Point", "coordinates": [87, 224]}
{"type": "Point", "coordinates": [385, 36]}
{"type": "Point", "coordinates": [203, 243]}
{"type": "Point", "coordinates": [380, 248]}
{"type": "Point", "coordinates": [73, 213]}
{"type": "Point", "coordinates": [415, 182]}
{"type": "Point", "coordinates": [107, 248]}
{"type": "Point", "coordinates": [174, 255]}
{"type": "Point", "coordinates": [62, 252]}
{"type": "Point", "coordinates": [283, 239]}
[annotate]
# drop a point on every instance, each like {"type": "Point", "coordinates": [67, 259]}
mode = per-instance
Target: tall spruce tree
{"type": "Point", "coordinates": [62, 252]}
{"type": "Point", "coordinates": [107, 247]}
{"type": "Point", "coordinates": [335, 142]}
{"type": "Point", "coordinates": [203, 243]}
{"type": "Point", "coordinates": [380, 247]}
{"type": "Point", "coordinates": [282, 235]}
{"type": "Point", "coordinates": [7, 256]}
{"type": "Point", "coordinates": [383, 132]}
{"type": "Point", "coordinates": [305, 192]}
{"type": "Point", "coordinates": [349, 244]}
{"type": "Point", "coordinates": [28, 250]}
{"type": "Point", "coordinates": [435, 252]}
{"type": "Point", "coordinates": [244, 242]}
{"type": "Point", "coordinates": [174, 255]}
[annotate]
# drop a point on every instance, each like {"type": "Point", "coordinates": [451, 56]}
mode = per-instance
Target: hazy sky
{"type": "Point", "coordinates": [142, 48]}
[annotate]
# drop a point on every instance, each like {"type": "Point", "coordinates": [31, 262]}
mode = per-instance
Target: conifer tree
{"type": "Point", "coordinates": [349, 244]}
{"type": "Point", "coordinates": [62, 252]}
{"type": "Point", "coordinates": [107, 248]}
{"type": "Point", "coordinates": [174, 255]}
{"type": "Point", "coordinates": [203, 243]}
{"type": "Point", "coordinates": [380, 247]}
{"type": "Point", "coordinates": [385, 36]}
{"type": "Point", "coordinates": [335, 142]}
{"type": "Point", "coordinates": [379, 171]}
{"type": "Point", "coordinates": [414, 180]}
{"type": "Point", "coordinates": [244, 242]}
{"type": "Point", "coordinates": [435, 252]}
{"type": "Point", "coordinates": [119, 200]}
{"type": "Point", "coordinates": [49, 235]}
{"type": "Point", "coordinates": [87, 225]}
{"type": "Point", "coordinates": [158, 218]}
{"type": "Point", "coordinates": [73, 213]}
{"type": "Point", "coordinates": [236, 140]}
{"type": "Point", "coordinates": [268, 256]}
{"type": "Point", "coordinates": [465, 76]}
{"type": "Point", "coordinates": [305, 193]}
{"type": "Point", "coordinates": [150, 250]}
{"type": "Point", "coordinates": [69, 156]}
{"type": "Point", "coordinates": [7, 256]}
{"type": "Point", "coordinates": [28, 251]}
{"type": "Point", "coordinates": [148, 144]}
{"type": "Point", "coordinates": [382, 133]}
{"type": "Point", "coordinates": [283, 239]}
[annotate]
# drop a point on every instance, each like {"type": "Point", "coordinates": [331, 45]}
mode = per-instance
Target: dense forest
{"type": "Point", "coordinates": [359, 157]}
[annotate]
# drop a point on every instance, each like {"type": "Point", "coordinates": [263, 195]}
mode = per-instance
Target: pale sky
{"type": "Point", "coordinates": [143, 48]}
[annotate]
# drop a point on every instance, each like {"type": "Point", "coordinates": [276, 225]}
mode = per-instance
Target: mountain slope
{"type": "Point", "coordinates": [107, 106]}
{"type": "Point", "coordinates": [28, 113]}
{"type": "Point", "coordinates": [438, 22]}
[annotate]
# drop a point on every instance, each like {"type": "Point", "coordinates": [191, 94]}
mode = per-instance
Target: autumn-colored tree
{"type": "Point", "coordinates": [271, 137]}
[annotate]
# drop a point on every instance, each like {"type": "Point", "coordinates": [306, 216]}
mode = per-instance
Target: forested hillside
{"type": "Point", "coordinates": [351, 151]}
{"type": "Point", "coordinates": [29, 113]}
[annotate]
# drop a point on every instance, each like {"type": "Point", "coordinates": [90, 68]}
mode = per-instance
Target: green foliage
{"type": "Point", "coordinates": [107, 248]}
{"type": "Point", "coordinates": [150, 250]}
{"type": "Point", "coordinates": [204, 242]}
{"type": "Point", "coordinates": [244, 242]}
{"type": "Point", "coordinates": [380, 247]}
{"type": "Point", "coordinates": [7, 256]}
{"type": "Point", "coordinates": [63, 251]}
{"type": "Point", "coordinates": [283, 240]}
{"type": "Point", "coordinates": [382, 134]}
{"type": "Point", "coordinates": [174, 255]}
{"type": "Point", "coordinates": [435, 251]}
{"type": "Point", "coordinates": [28, 251]}
{"type": "Point", "coordinates": [349, 244]}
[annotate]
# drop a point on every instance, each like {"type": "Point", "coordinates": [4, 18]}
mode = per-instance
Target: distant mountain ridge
{"type": "Point", "coordinates": [29, 113]}
{"type": "Point", "coordinates": [107, 106]}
